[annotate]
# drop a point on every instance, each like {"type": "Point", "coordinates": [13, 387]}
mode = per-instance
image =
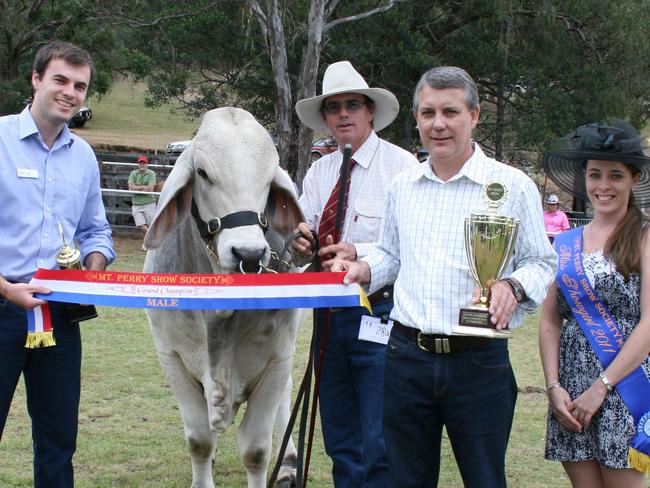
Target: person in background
{"type": "Point", "coordinates": [50, 178]}
{"type": "Point", "coordinates": [555, 220]}
{"type": "Point", "coordinates": [433, 378]}
{"type": "Point", "coordinates": [351, 384]}
{"type": "Point", "coordinates": [143, 206]}
{"type": "Point", "coordinates": [591, 425]}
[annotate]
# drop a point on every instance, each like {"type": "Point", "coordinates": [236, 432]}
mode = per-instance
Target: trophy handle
{"type": "Point", "coordinates": [512, 241]}
{"type": "Point", "coordinates": [468, 251]}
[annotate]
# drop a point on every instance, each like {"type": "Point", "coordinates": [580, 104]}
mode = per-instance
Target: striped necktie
{"type": "Point", "coordinates": [328, 218]}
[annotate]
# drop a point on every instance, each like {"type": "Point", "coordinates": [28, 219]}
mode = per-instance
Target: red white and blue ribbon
{"type": "Point", "coordinates": [200, 291]}
{"type": "Point", "coordinates": [39, 327]}
{"type": "Point", "coordinates": [606, 339]}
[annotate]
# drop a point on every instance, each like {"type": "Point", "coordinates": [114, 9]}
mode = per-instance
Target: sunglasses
{"type": "Point", "coordinates": [334, 108]}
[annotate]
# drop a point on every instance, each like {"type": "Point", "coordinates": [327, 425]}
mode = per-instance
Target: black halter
{"type": "Point", "coordinates": [237, 219]}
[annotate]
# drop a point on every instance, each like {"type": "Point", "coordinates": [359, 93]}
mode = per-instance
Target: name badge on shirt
{"type": "Point", "coordinates": [27, 173]}
{"type": "Point", "coordinates": [372, 329]}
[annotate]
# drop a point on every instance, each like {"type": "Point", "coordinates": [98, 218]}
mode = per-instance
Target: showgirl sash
{"type": "Point", "coordinates": [606, 339]}
{"type": "Point", "coordinates": [188, 291]}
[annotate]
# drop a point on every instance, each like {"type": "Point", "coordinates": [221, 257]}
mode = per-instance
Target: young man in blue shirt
{"type": "Point", "coordinates": [49, 177]}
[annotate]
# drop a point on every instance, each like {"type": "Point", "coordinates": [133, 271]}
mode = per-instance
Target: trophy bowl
{"type": "Point", "coordinates": [69, 258]}
{"type": "Point", "coordinates": [489, 243]}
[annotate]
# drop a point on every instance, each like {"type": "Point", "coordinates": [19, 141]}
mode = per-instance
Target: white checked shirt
{"type": "Point", "coordinates": [421, 242]}
{"type": "Point", "coordinates": [378, 161]}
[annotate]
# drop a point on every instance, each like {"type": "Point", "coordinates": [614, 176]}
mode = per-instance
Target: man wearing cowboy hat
{"type": "Point", "coordinates": [434, 376]}
{"type": "Point", "coordinates": [351, 384]}
{"type": "Point", "coordinates": [555, 220]}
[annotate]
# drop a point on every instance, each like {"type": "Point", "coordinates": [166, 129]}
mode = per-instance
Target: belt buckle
{"type": "Point", "coordinates": [441, 345]}
{"type": "Point", "coordinates": [420, 344]}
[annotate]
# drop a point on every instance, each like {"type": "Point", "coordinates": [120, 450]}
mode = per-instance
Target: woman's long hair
{"type": "Point", "coordinates": [624, 246]}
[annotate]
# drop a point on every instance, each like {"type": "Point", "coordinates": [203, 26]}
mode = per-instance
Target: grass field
{"type": "Point", "coordinates": [131, 434]}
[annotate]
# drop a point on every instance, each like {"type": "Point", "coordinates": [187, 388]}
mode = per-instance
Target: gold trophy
{"type": "Point", "coordinates": [489, 243]}
{"type": "Point", "coordinates": [70, 258]}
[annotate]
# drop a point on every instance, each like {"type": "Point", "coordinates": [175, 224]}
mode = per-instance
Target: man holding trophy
{"type": "Point", "coordinates": [50, 196]}
{"type": "Point", "coordinates": [463, 238]}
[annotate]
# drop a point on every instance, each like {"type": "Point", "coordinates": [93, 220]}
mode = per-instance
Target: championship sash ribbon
{"type": "Point", "coordinates": [190, 291]}
{"type": "Point", "coordinates": [39, 328]}
{"type": "Point", "coordinates": [606, 339]}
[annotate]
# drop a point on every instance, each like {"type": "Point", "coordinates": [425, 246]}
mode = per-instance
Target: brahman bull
{"type": "Point", "coordinates": [227, 207]}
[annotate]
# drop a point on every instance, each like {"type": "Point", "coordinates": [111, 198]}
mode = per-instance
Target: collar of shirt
{"type": "Point", "coordinates": [363, 156]}
{"type": "Point", "coordinates": [475, 169]}
{"type": "Point", "coordinates": [27, 128]}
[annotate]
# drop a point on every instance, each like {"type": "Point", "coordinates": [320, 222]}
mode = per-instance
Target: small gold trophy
{"type": "Point", "coordinates": [489, 243]}
{"type": "Point", "coordinates": [70, 258]}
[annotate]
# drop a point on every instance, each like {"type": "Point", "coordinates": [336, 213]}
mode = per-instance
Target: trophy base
{"type": "Point", "coordinates": [475, 321]}
{"type": "Point", "coordinates": [461, 330]}
{"type": "Point", "coordinates": [474, 317]}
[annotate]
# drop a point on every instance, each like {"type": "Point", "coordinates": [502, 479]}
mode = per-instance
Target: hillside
{"type": "Point", "coordinates": [121, 122]}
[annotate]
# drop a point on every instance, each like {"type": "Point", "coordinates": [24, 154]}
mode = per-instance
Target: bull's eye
{"type": "Point", "coordinates": [203, 174]}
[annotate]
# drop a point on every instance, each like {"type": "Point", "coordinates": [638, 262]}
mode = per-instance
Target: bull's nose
{"type": "Point", "coordinates": [250, 258]}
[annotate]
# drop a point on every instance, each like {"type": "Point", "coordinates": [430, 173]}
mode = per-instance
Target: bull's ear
{"type": "Point", "coordinates": [175, 201]}
{"type": "Point", "coordinates": [282, 210]}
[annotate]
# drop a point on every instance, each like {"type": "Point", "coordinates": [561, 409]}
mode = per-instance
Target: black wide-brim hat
{"type": "Point", "coordinates": [616, 142]}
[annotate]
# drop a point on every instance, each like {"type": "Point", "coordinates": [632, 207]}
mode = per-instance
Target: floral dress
{"type": "Point", "coordinates": [608, 437]}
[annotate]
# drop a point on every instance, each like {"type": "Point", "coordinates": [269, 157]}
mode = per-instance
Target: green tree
{"type": "Point", "coordinates": [262, 56]}
{"type": "Point", "coordinates": [27, 25]}
{"type": "Point", "coordinates": [542, 67]}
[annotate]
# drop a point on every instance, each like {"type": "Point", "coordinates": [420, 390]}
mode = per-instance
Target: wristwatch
{"type": "Point", "coordinates": [517, 290]}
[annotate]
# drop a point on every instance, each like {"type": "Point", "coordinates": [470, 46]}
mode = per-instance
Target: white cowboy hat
{"type": "Point", "coordinates": [340, 78]}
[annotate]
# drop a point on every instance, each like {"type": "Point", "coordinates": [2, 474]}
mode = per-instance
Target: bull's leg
{"type": "Point", "coordinates": [201, 441]}
{"type": "Point", "coordinates": [255, 433]}
{"type": "Point", "coordinates": [287, 473]}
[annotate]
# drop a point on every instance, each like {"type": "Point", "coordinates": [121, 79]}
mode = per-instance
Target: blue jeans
{"type": "Point", "coordinates": [351, 399]}
{"type": "Point", "coordinates": [52, 384]}
{"type": "Point", "coordinates": [471, 393]}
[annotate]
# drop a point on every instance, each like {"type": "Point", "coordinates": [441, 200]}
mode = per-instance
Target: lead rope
{"type": "Point", "coordinates": [303, 390]}
{"type": "Point", "coordinates": [324, 327]}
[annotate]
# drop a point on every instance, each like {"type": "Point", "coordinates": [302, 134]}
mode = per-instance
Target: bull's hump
{"type": "Point", "coordinates": [228, 115]}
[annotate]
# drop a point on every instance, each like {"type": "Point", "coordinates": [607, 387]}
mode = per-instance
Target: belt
{"type": "Point", "coordinates": [381, 295]}
{"type": "Point", "coordinates": [440, 343]}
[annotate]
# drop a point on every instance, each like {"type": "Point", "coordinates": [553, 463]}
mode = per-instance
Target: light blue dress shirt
{"type": "Point", "coordinates": [39, 187]}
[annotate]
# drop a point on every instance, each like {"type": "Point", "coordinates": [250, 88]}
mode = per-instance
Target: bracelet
{"type": "Point", "coordinates": [606, 382]}
{"type": "Point", "coordinates": [550, 386]}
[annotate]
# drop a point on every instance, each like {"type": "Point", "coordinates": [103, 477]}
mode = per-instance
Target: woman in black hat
{"type": "Point", "coordinates": [594, 332]}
